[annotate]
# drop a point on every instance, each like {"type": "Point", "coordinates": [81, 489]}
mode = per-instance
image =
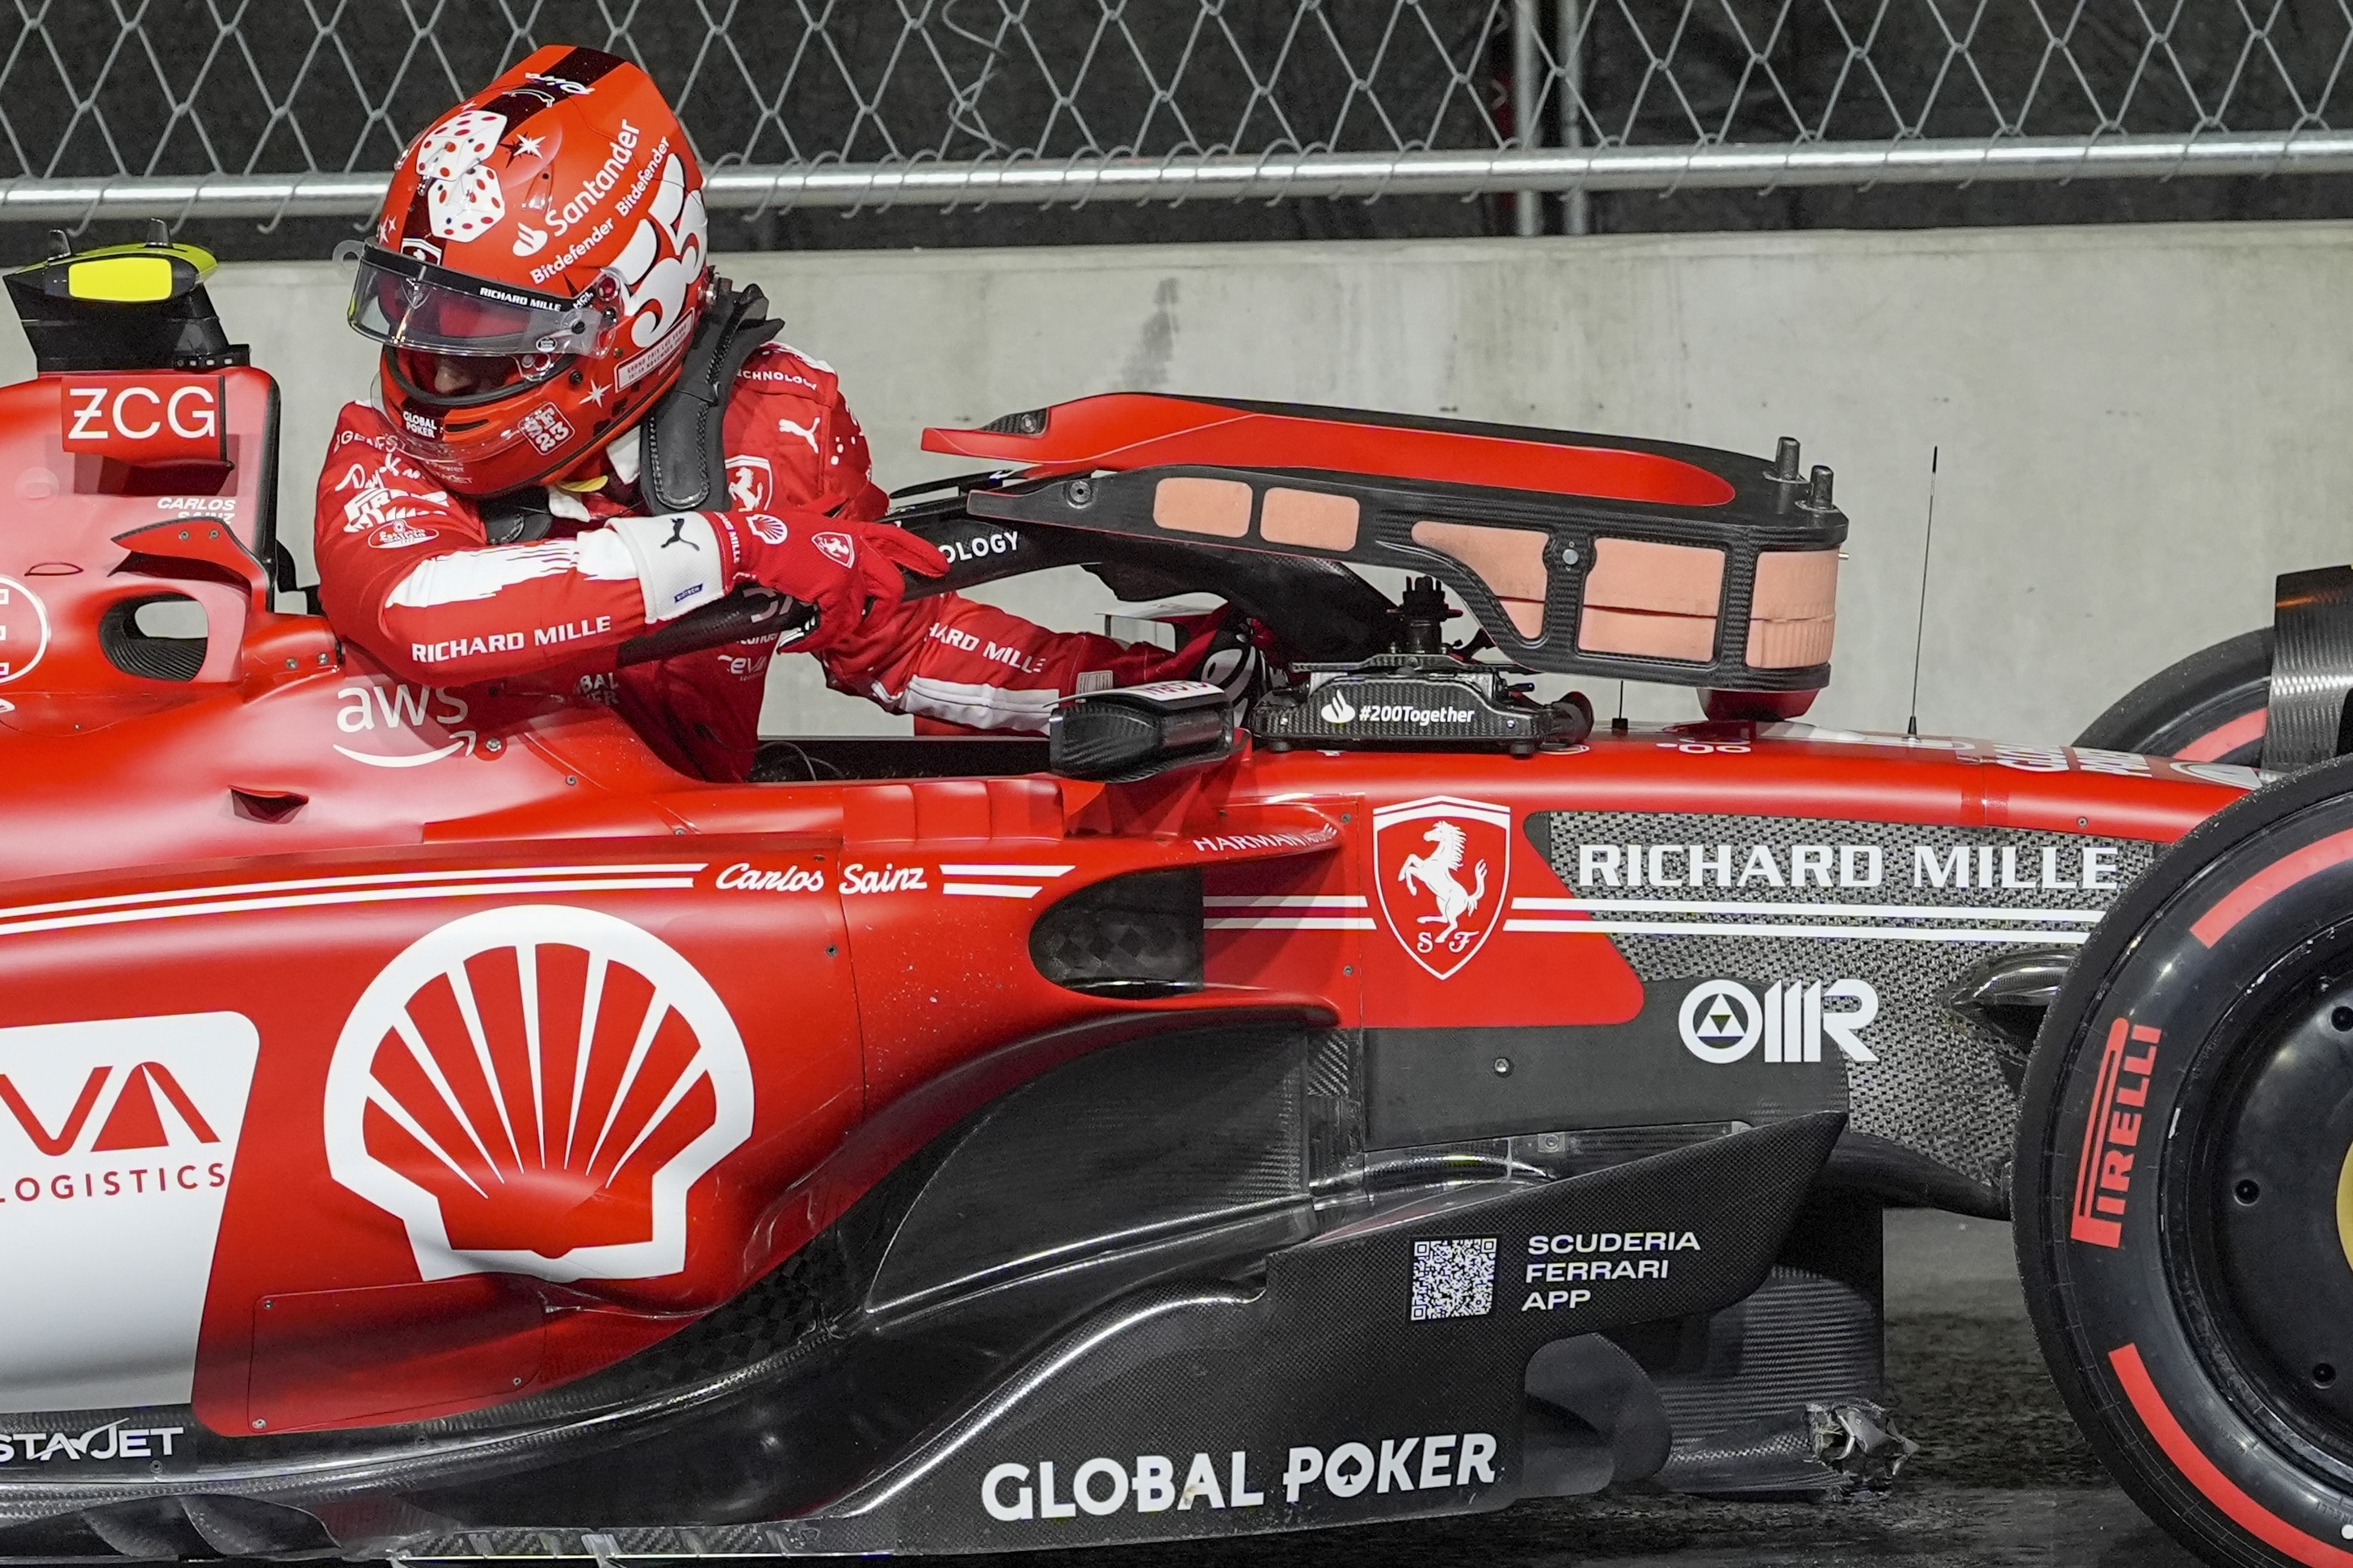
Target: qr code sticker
{"type": "Point", "coordinates": [1453, 1278]}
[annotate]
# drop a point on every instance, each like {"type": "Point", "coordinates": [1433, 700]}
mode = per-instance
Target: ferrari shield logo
{"type": "Point", "coordinates": [1441, 864]}
{"type": "Point", "coordinates": [750, 483]}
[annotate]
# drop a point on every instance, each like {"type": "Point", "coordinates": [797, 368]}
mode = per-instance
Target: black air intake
{"type": "Point", "coordinates": [1137, 935]}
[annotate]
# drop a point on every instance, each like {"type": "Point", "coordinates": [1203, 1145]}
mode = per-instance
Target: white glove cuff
{"type": "Point", "coordinates": [680, 563]}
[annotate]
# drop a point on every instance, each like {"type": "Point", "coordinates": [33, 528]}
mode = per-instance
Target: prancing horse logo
{"type": "Point", "coordinates": [751, 482]}
{"type": "Point", "coordinates": [1437, 873]}
{"type": "Point", "coordinates": [1443, 866]}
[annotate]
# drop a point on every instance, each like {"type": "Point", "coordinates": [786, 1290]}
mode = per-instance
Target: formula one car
{"type": "Point", "coordinates": [436, 1129]}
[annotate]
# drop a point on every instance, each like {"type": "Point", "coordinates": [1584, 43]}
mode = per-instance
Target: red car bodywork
{"type": "Point", "coordinates": [294, 838]}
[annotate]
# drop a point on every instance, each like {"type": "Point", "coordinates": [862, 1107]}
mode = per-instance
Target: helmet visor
{"type": "Point", "coordinates": [457, 381]}
{"type": "Point", "coordinates": [412, 305]}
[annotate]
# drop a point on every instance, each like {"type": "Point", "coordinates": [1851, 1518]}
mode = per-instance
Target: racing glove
{"type": "Point", "coordinates": [1244, 658]}
{"type": "Point", "coordinates": [846, 570]}
{"type": "Point", "coordinates": [1230, 649]}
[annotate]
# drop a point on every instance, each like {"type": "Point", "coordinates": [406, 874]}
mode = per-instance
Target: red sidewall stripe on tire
{"type": "Point", "coordinates": [2220, 743]}
{"type": "Point", "coordinates": [2200, 1471]}
{"type": "Point", "coordinates": [2270, 882]}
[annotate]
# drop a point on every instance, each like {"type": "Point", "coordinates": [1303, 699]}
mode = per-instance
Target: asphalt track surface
{"type": "Point", "coordinates": [2002, 1479]}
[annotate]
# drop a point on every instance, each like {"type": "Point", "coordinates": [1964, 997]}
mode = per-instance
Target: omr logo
{"type": "Point", "coordinates": [1721, 1021]}
{"type": "Point", "coordinates": [133, 1120]}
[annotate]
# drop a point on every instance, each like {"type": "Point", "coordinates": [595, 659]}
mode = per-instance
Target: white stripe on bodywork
{"type": "Point", "coordinates": [995, 869]}
{"type": "Point", "coordinates": [183, 903]}
{"type": "Point", "coordinates": [1843, 934]}
{"type": "Point", "coordinates": [1854, 912]}
{"type": "Point", "coordinates": [1284, 902]}
{"type": "Point", "coordinates": [356, 896]}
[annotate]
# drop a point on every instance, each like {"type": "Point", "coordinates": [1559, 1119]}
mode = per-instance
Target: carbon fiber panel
{"type": "Point", "coordinates": [1872, 910]}
{"type": "Point", "coordinates": [1414, 1321]}
{"type": "Point", "coordinates": [1108, 1148]}
{"type": "Point", "coordinates": [2311, 667]}
{"type": "Point", "coordinates": [1801, 1338]}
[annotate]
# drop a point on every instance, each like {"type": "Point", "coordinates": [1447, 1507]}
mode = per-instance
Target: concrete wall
{"type": "Point", "coordinates": [2140, 426]}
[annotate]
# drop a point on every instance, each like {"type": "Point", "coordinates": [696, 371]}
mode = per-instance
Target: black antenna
{"type": "Point", "coordinates": [1618, 725]}
{"type": "Point", "coordinates": [1927, 543]}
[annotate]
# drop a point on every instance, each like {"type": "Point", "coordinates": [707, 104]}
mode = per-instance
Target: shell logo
{"type": "Point", "coordinates": [23, 630]}
{"type": "Point", "coordinates": [536, 1090]}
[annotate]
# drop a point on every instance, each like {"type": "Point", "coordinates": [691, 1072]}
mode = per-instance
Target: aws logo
{"type": "Point", "coordinates": [144, 1107]}
{"type": "Point", "coordinates": [422, 714]}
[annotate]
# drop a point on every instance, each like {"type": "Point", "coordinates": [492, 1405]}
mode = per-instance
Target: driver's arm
{"type": "Point", "coordinates": [959, 662]}
{"type": "Point", "coordinates": [406, 571]}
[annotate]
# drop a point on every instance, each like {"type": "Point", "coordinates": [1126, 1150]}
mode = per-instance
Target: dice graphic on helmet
{"type": "Point", "coordinates": [536, 272]}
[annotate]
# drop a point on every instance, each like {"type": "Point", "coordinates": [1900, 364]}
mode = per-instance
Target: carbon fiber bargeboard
{"type": "Point", "coordinates": [1885, 905]}
{"type": "Point", "coordinates": [1217, 1408]}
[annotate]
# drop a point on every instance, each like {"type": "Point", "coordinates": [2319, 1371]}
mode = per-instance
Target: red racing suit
{"type": "Point", "coordinates": [407, 570]}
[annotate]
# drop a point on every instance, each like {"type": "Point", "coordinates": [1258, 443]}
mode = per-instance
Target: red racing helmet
{"type": "Point", "coordinates": [536, 272]}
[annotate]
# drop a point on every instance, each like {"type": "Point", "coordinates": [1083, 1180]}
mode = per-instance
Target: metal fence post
{"type": "Point", "coordinates": [1527, 96]}
{"type": "Point", "coordinates": [1568, 59]}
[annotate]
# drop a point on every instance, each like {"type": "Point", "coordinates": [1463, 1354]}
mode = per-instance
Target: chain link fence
{"type": "Point", "coordinates": [265, 110]}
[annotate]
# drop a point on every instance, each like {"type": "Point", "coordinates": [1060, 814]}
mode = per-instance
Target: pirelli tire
{"type": "Point", "coordinates": [2207, 708]}
{"type": "Point", "coordinates": [2184, 1197]}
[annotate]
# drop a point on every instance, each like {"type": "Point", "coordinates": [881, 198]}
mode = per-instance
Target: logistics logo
{"type": "Point", "coordinates": [1721, 1021]}
{"type": "Point", "coordinates": [118, 1144]}
{"type": "Point", "coordinates": [1441, 864]}
{"type": "Point", "coordinates": [134, 1117]}
{"type": "Point", "coordinates": [536, 1090]}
